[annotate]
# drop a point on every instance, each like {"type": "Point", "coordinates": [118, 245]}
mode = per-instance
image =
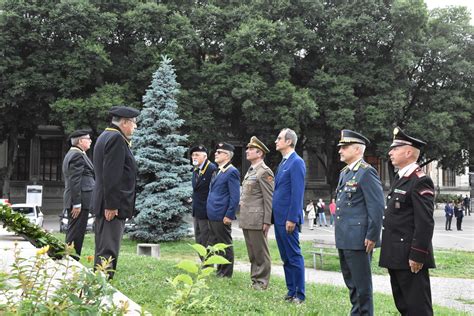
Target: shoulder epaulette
{"type": "Point", "coordinates": [420, 173]}
{"type": "Point", "coordinates": [364, 165]}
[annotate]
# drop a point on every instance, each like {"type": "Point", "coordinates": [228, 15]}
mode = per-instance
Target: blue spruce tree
{"type": "Point", "coordinates": [164, 179]}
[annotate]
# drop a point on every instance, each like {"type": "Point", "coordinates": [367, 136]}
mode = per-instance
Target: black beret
{"type": "Point", "coordinates": [351, 137]}
{"type": "Point", "coordinates": [198, 148]}
{"type": "Point", "coordinates": [79, 133]}
{"type": "Point", "coordinates": [124, 111]}
{"type": "Point", "coordinates": [225, 146]}
{"type": "Point", "coordinates": [402, 139]}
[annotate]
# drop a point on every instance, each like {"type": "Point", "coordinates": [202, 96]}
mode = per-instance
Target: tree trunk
{"type": "Point", "coordinates": [12, 153]}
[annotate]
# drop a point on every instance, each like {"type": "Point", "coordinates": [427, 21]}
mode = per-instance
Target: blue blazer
{"type": "Point", "coordinates": [201, 184]}
{"type": "Point", "coordinates": [288, 196]}
{"type": "Point", "coordinates": [224, 194]}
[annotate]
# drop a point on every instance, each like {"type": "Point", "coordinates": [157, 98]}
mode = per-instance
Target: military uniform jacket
{"type": "Point", "coordinates": [408, 222]}
{"type": "Point", "coordinates": [115, 174]}
{"type": "Point", "coordinates": [256, 198]}
{"type": "Point", "coordinates": [79, 181]}
{"type": "Point", "coordinates": [359, 207]}
{"type": "Point", "coordinates": [201, 181]}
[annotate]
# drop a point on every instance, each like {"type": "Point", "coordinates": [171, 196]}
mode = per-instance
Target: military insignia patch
{"type": "Point", "coordinates": [270, 179]}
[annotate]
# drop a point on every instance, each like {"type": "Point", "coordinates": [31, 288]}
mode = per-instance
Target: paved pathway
{"type": "Point", "coordinates": [443, 289]}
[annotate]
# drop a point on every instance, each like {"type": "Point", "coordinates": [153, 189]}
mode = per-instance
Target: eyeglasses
{"type": "Point", "coordinates": [218, 152]}
{"type": "Point", "coordinates": [133, 121]}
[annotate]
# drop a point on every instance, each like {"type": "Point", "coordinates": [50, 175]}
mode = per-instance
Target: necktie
{"type": "Point", "coordinates": [281, 164]}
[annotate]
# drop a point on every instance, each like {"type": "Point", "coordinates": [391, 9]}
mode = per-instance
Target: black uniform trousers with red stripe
{"type": "Point", "coordinates": [407, 232]}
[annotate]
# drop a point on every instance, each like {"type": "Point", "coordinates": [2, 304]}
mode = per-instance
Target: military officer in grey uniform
{"type": "Point", "coordinates": [114, 192]}
{"type": "Point", "coordinates": [256, 212]}
{"type": "Point", "coordinates": [408, 226]}
{"type": "Point", "coordinates": [359, 211]}
{"type": "Point", "coordinates": [78, 173]}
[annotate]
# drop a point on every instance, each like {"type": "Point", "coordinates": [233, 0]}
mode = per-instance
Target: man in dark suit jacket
{"type": "Point", "coordinates": [202, 174]}
{"type": "Point", "coordinates": [287, 213]}
{"type": "Point", "coordinates": [408, 226]}
{"type": "Point", "coordinates": [359, 211]}
{"type": "Point", "coordinates": [222, 204]}
{"type": "Point", "coordinates": [114, 193]}
{"type": "Point", "coordinates": [79, 181]}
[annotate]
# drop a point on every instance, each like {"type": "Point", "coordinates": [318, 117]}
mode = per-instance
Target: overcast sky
{"type": "Point", "coordinates": [443, 3]}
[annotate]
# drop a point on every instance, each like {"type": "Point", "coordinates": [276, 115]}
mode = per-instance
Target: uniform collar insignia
{"type": "Point", "coordinates": [113, 129]}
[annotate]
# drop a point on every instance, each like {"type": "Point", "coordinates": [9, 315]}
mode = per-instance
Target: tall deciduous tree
{"type": "Point", "coordinates": [164, 179]}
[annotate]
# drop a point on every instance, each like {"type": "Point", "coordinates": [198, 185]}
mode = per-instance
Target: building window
{"type": "Point", "coordinates": [50, 161]}
{"type": "Point", "coordinates": [449, 178]}
{"type": "Point", "coordinates": [21, 170]}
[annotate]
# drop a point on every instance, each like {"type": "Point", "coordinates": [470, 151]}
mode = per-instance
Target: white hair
{"type": "Point", "coordinates": [75, 141]}
{"type": "Point", "coordinates": [361, 148]}
{"type": "Point", "coordinates": [290, 135]}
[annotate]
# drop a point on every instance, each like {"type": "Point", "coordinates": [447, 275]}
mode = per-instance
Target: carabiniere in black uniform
{"type": "Point", "coordinates": [406, 235]}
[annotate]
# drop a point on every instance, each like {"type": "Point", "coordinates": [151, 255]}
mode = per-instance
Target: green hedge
{"type": "Point", "coordinates": [445, 198]}
{"type": "Point", "coordinates": [20, 225]}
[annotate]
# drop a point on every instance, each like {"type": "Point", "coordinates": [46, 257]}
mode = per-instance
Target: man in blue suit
{"type": "Point", "coordinates": [359, 211]}
{"type": "Point", "coordinates": [288, 215]}
{"type": "Point", "coordinates": [202, 174]}
{"type": "Point", "coordinates": [222, 202]}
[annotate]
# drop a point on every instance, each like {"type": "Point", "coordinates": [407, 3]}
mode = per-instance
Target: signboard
{"type": "Point", "coordinates": [34, 194]}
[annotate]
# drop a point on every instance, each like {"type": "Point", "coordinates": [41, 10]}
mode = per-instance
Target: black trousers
{"type": "Point", "coordinates": [201, 231]}
{"type": "Point", "coordinates": [108, 237]}
{"type": "Point", "coordinates": [220, 233]}
{"type": "Point", "coordinates": [76, 230]}
{"type": "Point", "coordinates": [458, 222]}
{"type": "Point", "coordinates": [411, 292]}
{"type": "Point", "coordinates": [355, 268]}
{"type": "Point", "coordinates": [448, 222]}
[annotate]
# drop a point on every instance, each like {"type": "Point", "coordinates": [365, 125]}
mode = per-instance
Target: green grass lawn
{"type": "Point", "coordinates": [143, 279]}
{"type": "Point", "coordinates": [450, 263]}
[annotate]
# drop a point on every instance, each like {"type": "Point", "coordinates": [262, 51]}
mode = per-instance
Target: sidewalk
{"type": "Point", "coordinates": [442, 289]}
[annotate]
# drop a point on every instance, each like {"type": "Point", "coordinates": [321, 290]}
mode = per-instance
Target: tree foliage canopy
{"type": "Point", "coordinates": [248, 68]}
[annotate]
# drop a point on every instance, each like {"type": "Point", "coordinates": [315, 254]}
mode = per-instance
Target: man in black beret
{"type": "Point", "coordinates": [78, 173]}
{"type": "Point", "coordinates": [222, 203]}
{"type": "Point", "coordinates": [408, 226]}
{"type": "Point", "coordinates": [202, 174]}
{"type": "Point", "coordinates": [114, 192]}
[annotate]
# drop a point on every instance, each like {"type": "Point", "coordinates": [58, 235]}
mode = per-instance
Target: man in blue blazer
{"type": "Point", "coordinates": [288, 213]}
{"type": "Point", "coordinates": [222, 203]}
{"type": "Point", "coordinates": [202, 174]}
{"type": "Point", "coordinates": [359, 211]}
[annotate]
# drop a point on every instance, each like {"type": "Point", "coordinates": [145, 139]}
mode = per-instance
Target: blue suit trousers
{"type": "Point", "coordinates": [293, 262]}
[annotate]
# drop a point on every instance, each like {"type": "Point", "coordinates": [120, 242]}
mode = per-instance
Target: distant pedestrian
{"type": "Point", "coordinates": [311, 214]}
{"type": "Point", "coordinates": [448, 213]}
{"type": "Point", "coordinates": [321, 207]}
{"type": "Point", "coordinates": [459, 214]}
{"type": "Point", "coordinates": [332, 211]}
{"type": "Point", "coordinates": [467, 205]}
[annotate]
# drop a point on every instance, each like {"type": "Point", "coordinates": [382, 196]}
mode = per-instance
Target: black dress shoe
{"type": "Point", "coordinates": [297, 301]}
{"type": "Point", "coordinates": [289, 298]}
